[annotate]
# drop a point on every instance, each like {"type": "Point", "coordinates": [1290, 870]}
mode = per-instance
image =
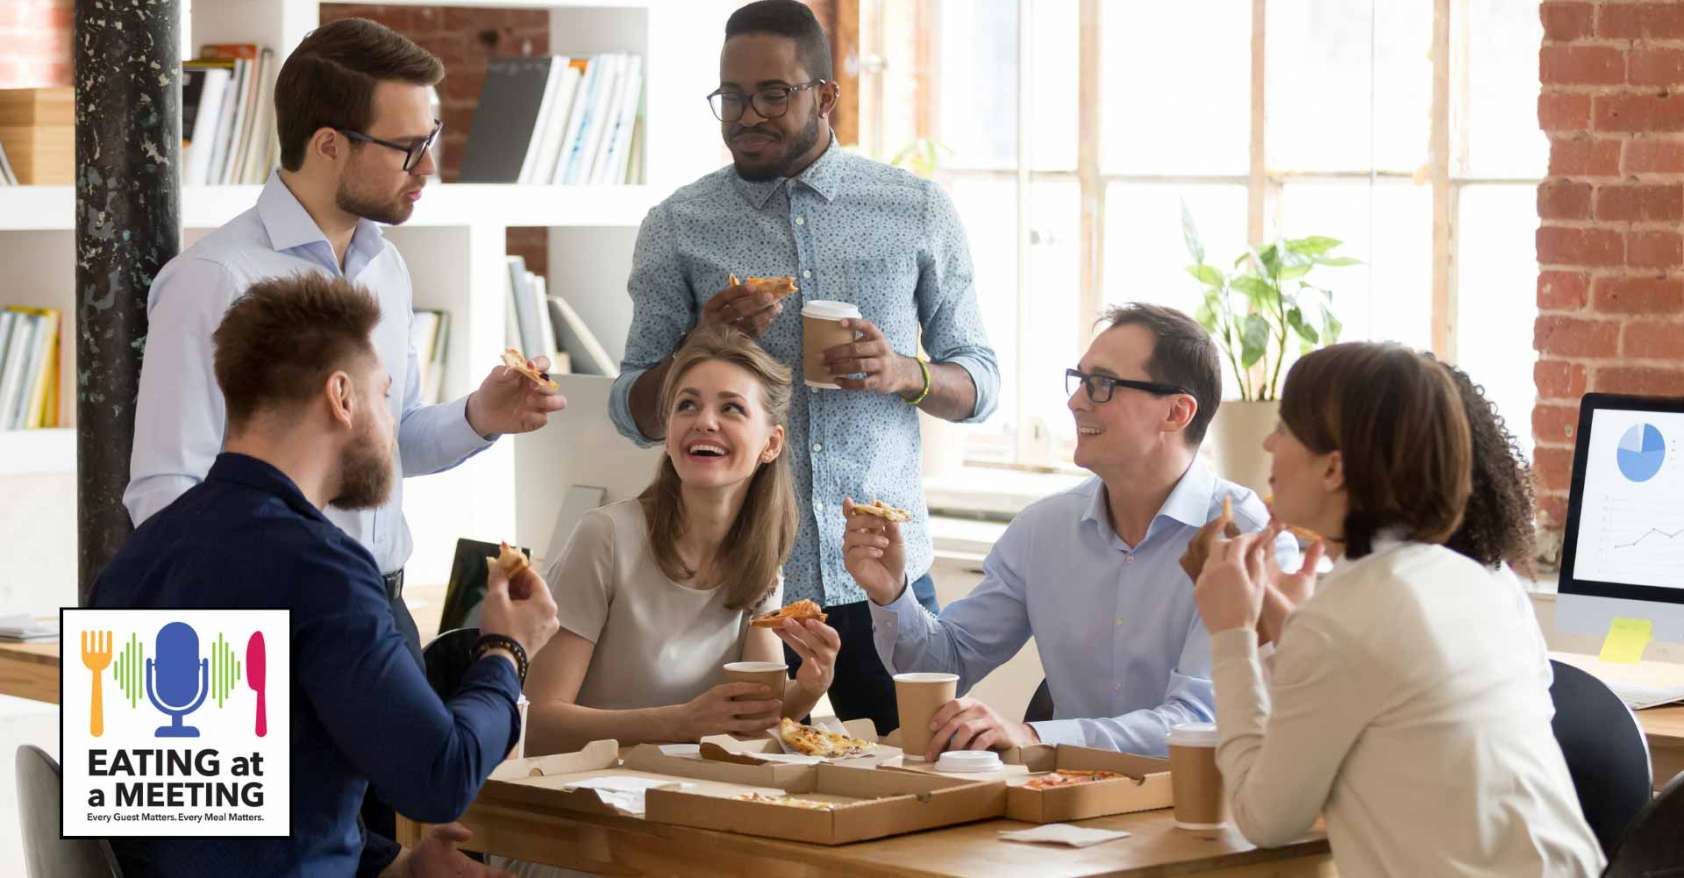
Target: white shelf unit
{"type": "Point", "coordinates": [454, 244]}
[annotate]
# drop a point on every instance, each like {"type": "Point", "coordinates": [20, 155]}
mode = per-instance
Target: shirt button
{"type": "Point", "coordinates": [807, 273]}
{"type": "Point", "coordinates": [800, 220]}
{"type": "Point", "coordinates": [1128, 559]}
{"type": "Point", "coordinates": [818, 447]}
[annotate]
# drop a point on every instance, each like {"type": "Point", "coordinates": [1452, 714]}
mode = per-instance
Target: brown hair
{"type": "Point", "coordinates": [1183, 355]}
{"type": "Point", "coordinates": [760, 540]}
{"type": "Point", "coordinates": [1396, 419]}
{"type": "Point", "coordinates": [1498, 525]}
{"type": "Point", "coordinates": [280, 341]}
{"type": "Point", "coordinates": [329, 80]}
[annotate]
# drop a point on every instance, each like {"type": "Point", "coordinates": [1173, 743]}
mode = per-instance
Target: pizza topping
{"type": "Point", "coordinates": [787, 801]}
{"type": "Point", "coordinates": [517, 361]}
{"type": "Point", "coordinates": [883, 510]}
{"type": "Point", "coordinates": [1065, 777]}
{"type": "Point", "coordinates": [779, 287]}
{"type": "Point", "coordinates": [798, 611]}
{"type": "Point", "coordinates": [809, 741]}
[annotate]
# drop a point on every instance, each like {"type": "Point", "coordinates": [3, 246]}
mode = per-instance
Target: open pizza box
{"type": "Point", "coordinates": [854, 803]}
{"type": "Point", "coordinates": [771, 749]}
{"type": "Point", "coordinates": [1145, 785]}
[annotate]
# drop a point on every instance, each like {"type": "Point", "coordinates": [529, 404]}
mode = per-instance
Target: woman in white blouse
{"type": "Point", "coordinates": [654, 594]}
{"type": "Point", "coordinates": [1405, 701]}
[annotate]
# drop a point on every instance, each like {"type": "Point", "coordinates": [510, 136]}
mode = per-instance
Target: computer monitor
{"type": "Point", "coordinates": [1623, 550]}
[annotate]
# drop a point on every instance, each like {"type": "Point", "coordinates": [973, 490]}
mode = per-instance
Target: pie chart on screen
{"type": "Point", "coordinates": [1642, 451]}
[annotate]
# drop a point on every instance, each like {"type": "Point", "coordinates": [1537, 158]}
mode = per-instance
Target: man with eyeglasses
{"type": "Point", "coordinates": [355, 126]}
{"type": "Point", "coordinates": [1093, 573]}
{"type": "Point", "coordinates": [793, 203]}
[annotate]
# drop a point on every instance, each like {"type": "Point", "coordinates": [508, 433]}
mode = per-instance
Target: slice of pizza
{"type": "Point", "coordinates": [515, 360]}
{"type": "Point", "coordinates": [883, 510]}
{"type": "Point", "coordinates": [510, 560]}
{"type": "Point", "coordinates": [1065, 777]}
{"type": "Point", "coordinates": [786, 801]}
{"type": "Point", "coordinates": [779, 287]}
{"type": "Point", "coordinates": [1198, 548]}
{"type": "Point", "coordinates": [798, 611]}
{"type": "Point", "coordinates": [1304, 534]}
{"type": "Point", "coordinates": [809, 741]}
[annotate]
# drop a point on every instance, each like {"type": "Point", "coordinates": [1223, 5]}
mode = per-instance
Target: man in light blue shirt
{"type": "Point", "coordinates": [1092, 573]}
{"type": "Point", "coordinates": [845, 228]}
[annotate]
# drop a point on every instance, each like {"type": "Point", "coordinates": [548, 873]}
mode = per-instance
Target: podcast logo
{"type": "Point", "coordinates": [180, 742]}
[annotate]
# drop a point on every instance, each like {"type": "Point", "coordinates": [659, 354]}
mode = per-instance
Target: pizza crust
{"type": "Point", "coordinates": [510, 560]}
{"type": "Point", "coordinates": [1064, 777]}
{"type": "Point", "coordinates": [780, 288]}
{"type": "Point", "coordinates": [809, 741]}
{"type": "Point", "coordinates": [799, 610]}
{"type": "Point", "coordinates": [516, 361]}
{"type": "Point", "coordinates": [884, 511]}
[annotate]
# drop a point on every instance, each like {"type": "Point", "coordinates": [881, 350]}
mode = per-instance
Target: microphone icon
{"type": "Point", "coordinates": [177, 648]}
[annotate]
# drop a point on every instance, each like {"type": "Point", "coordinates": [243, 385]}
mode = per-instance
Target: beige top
{"type": "Point", "coordinates": [657, 642]}
{"type": "Point", "coordinates": [1408, 703]}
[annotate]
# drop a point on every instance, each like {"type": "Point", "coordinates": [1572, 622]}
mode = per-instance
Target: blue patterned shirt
{"type": "Point", "coordinates": [848, 229]}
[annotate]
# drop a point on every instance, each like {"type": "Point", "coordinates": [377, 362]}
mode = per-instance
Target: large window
{"type": "Point", "coordinates": [1072, 133]}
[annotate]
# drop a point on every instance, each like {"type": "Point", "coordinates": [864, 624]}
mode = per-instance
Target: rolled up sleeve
{"type": "Point", "coordinates": [663, 309]}
{"type": "Point", "coordinates": [947, 304]}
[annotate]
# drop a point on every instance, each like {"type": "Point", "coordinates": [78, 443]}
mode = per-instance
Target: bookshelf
{"type": "Point", "coordinates": [454, 244]}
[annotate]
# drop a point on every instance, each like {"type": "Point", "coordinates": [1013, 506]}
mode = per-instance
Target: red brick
{"type": "Point", "coordinates": [1653, 341]}
{"type": "Point", "coordinates": [1584, 157]}
{"type": "Point", "coordinates": [1641, 203]}
{"type": "Point", "coordinates": [1562, 290]}
{"type": "Point", "coordinates": [1626, 21]}
{"type": "Point", "coordinates": [1565, 246]}
{"type": "Point", "coordinates": [1646, 156]}
{"type": "Point", "coordinates": [1633, 112]}
{"type": "Point", "coordinates": [1575, 337]}
{"type": "Point", "coordinates": [1555, 423]}
{"type": "Point", "coordinates": [1646, 65]}
{"type": "Point", "coordinates": [1564, 200]}
{"type": "Point", "coordinates": [1558, 380]}
{"type": "Point", "coordinates": [1638, 295]}
{"type": "Point", "coordinates": [1552, 509]}
{"type": "Point", "coordinates": [1581, 65]}
{"type": "Point", "coordinates": [1641, 380]}
{"type": "Point", "coordinates": [1553, 468]}
{"type": "Point", "coordinates": [1654, 249]}
{"type": "Point", "coordinates": [1564, 112]}
{"type": "Point", "coordinates": [1567, 21]}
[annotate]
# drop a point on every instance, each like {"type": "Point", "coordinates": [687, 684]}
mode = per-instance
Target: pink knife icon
{"type": "Point", "coordinates": [254, 679]}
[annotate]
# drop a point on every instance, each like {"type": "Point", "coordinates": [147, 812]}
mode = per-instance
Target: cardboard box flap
{"type": "Point", "coordinates": [597, 754]}
{"type": "Point", "coordinates": [1047, 757]}
{"type": "Point", "coordinates": [748, 771]}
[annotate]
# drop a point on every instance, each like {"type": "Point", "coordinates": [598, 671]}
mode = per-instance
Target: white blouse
{"type": "Point", "coordinates": [1409, 702]}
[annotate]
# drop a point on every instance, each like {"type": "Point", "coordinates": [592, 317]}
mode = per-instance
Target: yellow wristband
{"type": "Point", "coordinates": [924, 366]}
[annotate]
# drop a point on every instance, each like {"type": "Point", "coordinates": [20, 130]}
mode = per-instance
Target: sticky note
{"type": "Point", "coordinates": [1625, 641]}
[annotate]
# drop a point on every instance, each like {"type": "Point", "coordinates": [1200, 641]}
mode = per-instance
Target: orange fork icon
{"type": "Point", "coordinates": [96, 657]}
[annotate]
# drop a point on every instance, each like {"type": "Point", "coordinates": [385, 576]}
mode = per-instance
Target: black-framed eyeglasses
{"type": "Point", "coordinates": [769, 102]}
{"type": "Point", "coordinates": [412, 151]}
{"type": "Point", "coordinates": [1100, 387]}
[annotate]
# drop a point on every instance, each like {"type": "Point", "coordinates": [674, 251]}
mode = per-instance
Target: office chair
{"type": "Point", "coordinates": [1653, 845]}
{"type": "Point", "coordinates": [1605, 751]}
{"type": "Point", "coordinates": [45, 854]}
{"type": "Point", "coordinates": [447, 657]}
{"type": "Point", "coordinates": [1040, 705]}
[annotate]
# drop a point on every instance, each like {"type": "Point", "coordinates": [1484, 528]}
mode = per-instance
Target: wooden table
{"type": "Point", "coordinates": [30, 670]}
{"type": "Point", "coordinates": [628, 846]}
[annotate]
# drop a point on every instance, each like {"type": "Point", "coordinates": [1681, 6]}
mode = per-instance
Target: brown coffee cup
{"type": "Point", "coordinates": [1200, 800]}
{"type": "Point", "coordinates": [773, 675]}
{"type": "Point", "coordinates": [821, 330]}
{"type": "Point", "coordinates": [917, 698]}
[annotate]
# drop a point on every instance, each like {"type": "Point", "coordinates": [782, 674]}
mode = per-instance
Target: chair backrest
{"type": "Point", "coordinates": [1040, 705]}
{"type": "Point", "coordinates": [1605, 751]}
{"type": "Point", "coordinates": [46, 855]}
{"type": "Point", "coordinates": [1654, 843]}
{"type": "Point", "coordinates": [447, 658]}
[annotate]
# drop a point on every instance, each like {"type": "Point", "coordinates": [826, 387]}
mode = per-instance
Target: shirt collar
{"type": "Point", "coordinates": [823, 176]}
{"type": "Point", "coordinates": [290, 227]}
{"type": "Point", "coordinates": [242, 469]}
{"type": "Point", "coordinates": [1188, 502]}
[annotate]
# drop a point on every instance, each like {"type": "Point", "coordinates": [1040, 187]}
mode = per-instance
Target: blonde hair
{"type": "Point", "coordinates": [759, 541]}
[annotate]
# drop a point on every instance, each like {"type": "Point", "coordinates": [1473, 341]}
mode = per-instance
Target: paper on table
{"type": "Point", "coordinates": [624, 794]}
{"type": "Point", "coordinates": [1626, 640]}
{"type": "Point", "coordinates": [1065, 834]}
{"type": "Point", "coordinates": [682, 751]}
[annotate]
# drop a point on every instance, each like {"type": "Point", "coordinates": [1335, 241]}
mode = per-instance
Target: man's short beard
{"type": "Point", "coordinates": [365, 473]}
{"type": "Point", "coordinates": [798, 149]}
{"type": "Point", "coordinates": [392, 212]}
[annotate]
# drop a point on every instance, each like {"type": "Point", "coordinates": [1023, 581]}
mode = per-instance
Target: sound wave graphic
{"type": "Point", "coordinates": [129, 670]}
{"type": "Point", "coordinates": [1652, 532]}
{"type": "Point", "coordinates": [224, 669]}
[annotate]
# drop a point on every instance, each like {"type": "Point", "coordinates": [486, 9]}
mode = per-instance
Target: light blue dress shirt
{"type": "Point", "coordinates": [1125, 653]}
{"type": "Point", "coordinates": [179, 419]}
{"type": "Point", "coordinates": [847, 229]}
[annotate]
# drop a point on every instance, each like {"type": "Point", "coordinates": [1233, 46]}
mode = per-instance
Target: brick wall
{"type": "Point", "coordinates": [35, 43]}
{"type": "Point", "coordinates": [1610, 246]}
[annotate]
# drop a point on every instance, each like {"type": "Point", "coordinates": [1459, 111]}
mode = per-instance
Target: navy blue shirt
{"type": "Point", "coordinates": [362, 711]}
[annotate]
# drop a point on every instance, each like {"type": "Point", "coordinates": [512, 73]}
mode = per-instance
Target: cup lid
{"type": "Point", "coordinates": [1193, 735]}
{"type": "Point", "coordinates": [969, 760]}
{"type": "Point", "coordinates": [755, 667]}
{"type": "Point", "coordinates": [828, 309]}
{"type": "Point", "coordinates": [927, 677]}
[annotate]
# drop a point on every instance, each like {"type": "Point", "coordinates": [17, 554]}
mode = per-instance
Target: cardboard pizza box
{"type": "Point", "coordinates": [771, 749]}
{"type": "Point", "coordinates": [1145, 785]}
{"type": "Point", "coordinates": [865, 803]}
{"type": "Point", "coordinates": [553, 781]}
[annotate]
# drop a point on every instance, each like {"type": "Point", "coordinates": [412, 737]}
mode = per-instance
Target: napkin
{"type": "Point", "coordinates": [623, 794]}
{"type": "Point", "coordinates": [1064, 833]}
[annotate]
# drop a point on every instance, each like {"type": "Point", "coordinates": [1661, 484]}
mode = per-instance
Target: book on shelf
{"type": "Point", "coordinates": [558, 120]}
{"type": "Point", "coordinates": [7, 177]}
{"type": "Point", "coordinates": [227, 117]}
{"type": "Point", "coordinates": [29, 368]}
{"type": "Point", "coordinates": [429, 335]}
{"type": "Point", "coordinates": [586, 353]}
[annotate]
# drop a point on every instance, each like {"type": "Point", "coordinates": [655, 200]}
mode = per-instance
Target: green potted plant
{"type": "Point", "coordinates": [1262, 313]}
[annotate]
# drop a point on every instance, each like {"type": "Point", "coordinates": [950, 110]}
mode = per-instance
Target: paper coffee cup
{"type": "Point", "coordinates": [773, 675]}
{"type": "Point", "coordinates": [519, 751]}
{"type": "Point", "coordinates": [1200, 801]}
{"type": "Point", "coordinates": [917, 698]}
{"type": "Point", "coordinates": [821, 330]}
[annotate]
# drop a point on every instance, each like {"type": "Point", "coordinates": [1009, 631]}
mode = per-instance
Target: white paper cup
{"type": "Point", "coordinates": [917, 698]}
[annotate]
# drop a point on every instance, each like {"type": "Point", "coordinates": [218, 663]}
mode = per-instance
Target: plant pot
{"type": "Point", "coordinates": [1234, 443]}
